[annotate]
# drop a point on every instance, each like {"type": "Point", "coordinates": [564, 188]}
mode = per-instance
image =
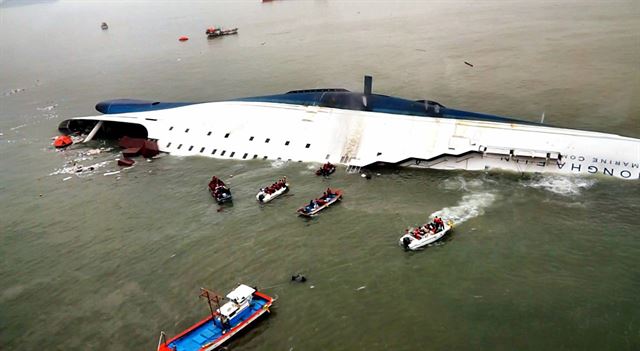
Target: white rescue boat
{"type": "Point", "coordinates": [264, 197]}
{"type": "Point", "coordinates": [417, 238]}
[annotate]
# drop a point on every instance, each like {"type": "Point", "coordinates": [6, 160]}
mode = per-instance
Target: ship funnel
{"type": "Point", "coordinates": [368, 83]}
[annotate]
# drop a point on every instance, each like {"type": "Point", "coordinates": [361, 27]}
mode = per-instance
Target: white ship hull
{"type": "Point", "coordinates": [246, 130]}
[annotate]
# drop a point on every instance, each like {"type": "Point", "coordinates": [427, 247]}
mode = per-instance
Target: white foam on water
{"type": "Point", "coordinates": [47, 108]}
{"type": "Point", "coordinates": [561, 185]}
{"type": "Point", "coordinates": [470, 206]}
{"type": "Point", "coordinates": [18, 127]}
{"type": "Point", "coordinates": [278, 163]}
{"type": "Point", "coordinates": [460, 183]}
{"type": "Point", "coordinates": [80, 170]}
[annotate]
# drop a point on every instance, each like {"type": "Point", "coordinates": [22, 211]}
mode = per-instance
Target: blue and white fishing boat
{"type": "Point", "coordinates": [330, 197]}
{"type": "Point", "coordinates": [244, 306]}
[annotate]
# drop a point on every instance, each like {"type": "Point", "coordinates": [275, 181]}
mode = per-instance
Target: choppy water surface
{"type": "Point", "coordinates": [94, 261]}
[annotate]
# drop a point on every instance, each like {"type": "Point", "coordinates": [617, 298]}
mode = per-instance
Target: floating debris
{"type": "Point", "coordinates": [104, 26]}
{"type": "Point", "coordinates": [361, 288]}
{"type": "Point", "coordinates": [111, 173]}
{"type": "Point", "coordinates": [94, 152]}
{"type": "Point", "coordinates": [468, 64]}
{"type": "Point", "coordinates": [75, 168]}
{"type": "Point", "coordinates": [67, 178]}
{"type": "Point", "coordinates": [14, 91]}
{"type": "Point", "coordinates": [126, 162]}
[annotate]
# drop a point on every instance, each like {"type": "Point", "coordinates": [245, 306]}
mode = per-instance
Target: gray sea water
{"type": "Point", "coordinates": [89, 261]}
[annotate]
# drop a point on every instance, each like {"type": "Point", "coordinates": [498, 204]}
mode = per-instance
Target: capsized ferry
{"type": "Point", "coordinates": [361, 129]}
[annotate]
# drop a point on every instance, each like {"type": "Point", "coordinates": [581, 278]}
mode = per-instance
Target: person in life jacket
{"type": "Point", "coordinates": [439, 223]}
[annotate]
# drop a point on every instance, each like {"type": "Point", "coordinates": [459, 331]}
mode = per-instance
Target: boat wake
{"type": "Point", "coordinates": [470, 206]}
{"type": "Point", "coordinates": [561, 185]}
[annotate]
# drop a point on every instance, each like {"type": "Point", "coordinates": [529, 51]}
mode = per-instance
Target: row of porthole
{"type": "Point", "coordinates": [267, 140]}
{"type": "Point", "coordinates": [244, 157]}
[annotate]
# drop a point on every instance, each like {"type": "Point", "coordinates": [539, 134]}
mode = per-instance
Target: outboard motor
{"type": "Point", "coordinates": [405, 243]}
{"type": "Point", "coordinates": [260, 197]}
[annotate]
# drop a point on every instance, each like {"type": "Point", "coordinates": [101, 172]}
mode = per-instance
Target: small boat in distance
{"type": "Point", "coordinates": [416, 238]}
{"type": "Point", "coordinates": [327, 199]}
{"type": "Point", "coordinates": [244, 306]}
{"type": "Point", "coordinates": [214, 32]}
{"type": "Point", "coordinates": [326, 170]}
{"type": "Point", "coordinates": [219, 190]}
{"type": "Point", "coordinates": [276, 189]}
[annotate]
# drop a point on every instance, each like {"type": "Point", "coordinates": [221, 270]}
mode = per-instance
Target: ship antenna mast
{"type": "Point", "coordinates": [211, 296]}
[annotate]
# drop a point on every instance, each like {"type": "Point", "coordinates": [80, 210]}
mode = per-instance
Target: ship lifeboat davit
{"type": "Point", "coordinates": [183, 38]}
{"type": "Point", "coordinates": [62, 141]}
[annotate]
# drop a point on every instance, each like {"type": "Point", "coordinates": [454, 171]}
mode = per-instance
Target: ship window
{"type": "Point", "coordinates": [214, 151]}
{"type": "Point", "coordinates": [232, 153]}
{"type": "Point", "coordinates": [255, 156]}
{"type": "Point", "coordinates": [326, 158]}
{"type": "Point", "coordinates": [190, 147]}
{"type": "Point", "coordinates": [251, 139]}
{"type": "Point", "coordinates": [244, 156]}
{"type": "Point", "coordinates": [223, 152]}
{"type": "Point", "coordinates": [308, 145]}
{"type": "Point", "coordinates": [287, 143]}
{"type": "Point", "coordinates": [209, 133]}
{"type": "Point", "coordinates": [266, 141]}
{"type": "Point", "coordinates": [169, 144]}
{"type": "Point", "coordinates": [226, 135]}
{"type": "Point", "coordinates": [264, 158]}
{"type": "Point", "coordinates": [170, 128]}
{"type": "Point", "coordinates": [179, 146]}
{"type": "Point", "coordinates": [186, 130]}
{"type": "Point", "coordinates": [379, 153]}
{"type": "Point", "coordinates": [202, 150]}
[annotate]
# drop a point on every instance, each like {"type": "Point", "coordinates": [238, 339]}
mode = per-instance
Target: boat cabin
{"type": "Point", "coordinates": [239, 299]}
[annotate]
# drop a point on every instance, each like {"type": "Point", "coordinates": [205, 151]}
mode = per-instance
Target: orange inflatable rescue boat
{"type": "Point", "coordinates": [183, 38]}
{"type": "Point", "coordinates": [62, 141]}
